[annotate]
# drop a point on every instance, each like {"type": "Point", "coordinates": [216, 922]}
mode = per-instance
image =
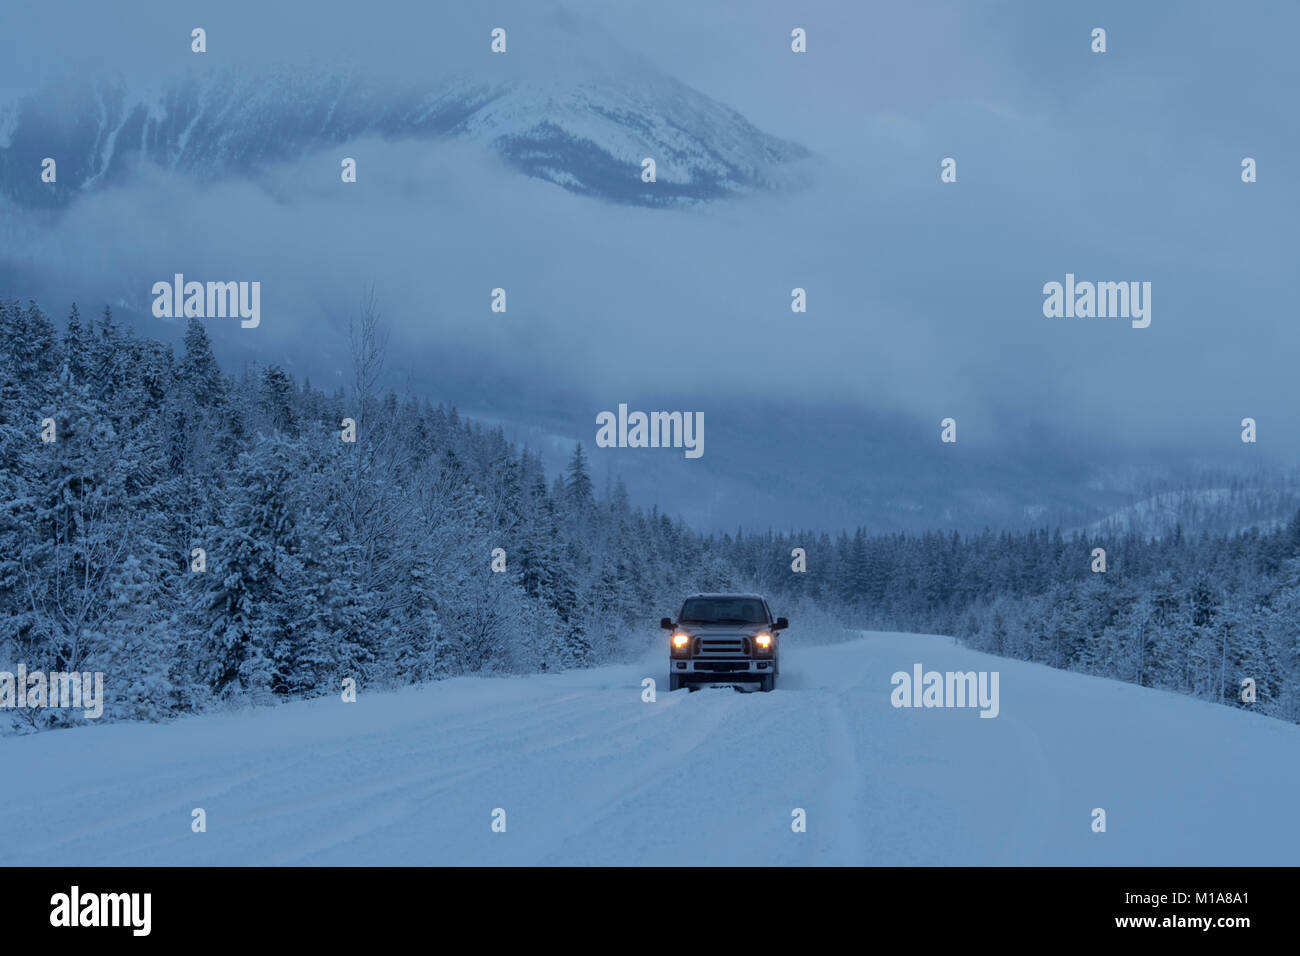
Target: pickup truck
{"type": "Point", "coordinates": [724, 638]}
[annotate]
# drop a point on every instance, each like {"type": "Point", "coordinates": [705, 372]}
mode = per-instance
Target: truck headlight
{"type": "Point", "coordinates": [681, 645]}
{"type": "Point", "coordinates": [763, 643]}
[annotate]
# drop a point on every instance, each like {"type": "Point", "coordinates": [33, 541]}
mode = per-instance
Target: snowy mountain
{"type": "Point", "coordinates": [588, 773]}
{"type": "Point", "coordinates": [585, 131]}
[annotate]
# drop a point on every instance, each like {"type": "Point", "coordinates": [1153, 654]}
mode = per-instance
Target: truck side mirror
{"type": "Point", "coordinates": [781, 624]}
{"type": "Point", "coordinates": [666, 623]}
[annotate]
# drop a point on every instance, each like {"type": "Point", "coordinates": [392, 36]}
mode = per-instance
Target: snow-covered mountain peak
{"type": "Point", "coordinates": [586, 127]}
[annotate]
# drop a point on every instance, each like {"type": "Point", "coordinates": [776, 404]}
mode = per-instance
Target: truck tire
{"type": "Point", "coordinates": [767, 683]}
{"type": "Point", "coordinates": [674, 682]}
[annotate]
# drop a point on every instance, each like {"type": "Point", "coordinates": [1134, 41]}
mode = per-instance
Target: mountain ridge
{"type": "Point", "coordinates": [587, 134]}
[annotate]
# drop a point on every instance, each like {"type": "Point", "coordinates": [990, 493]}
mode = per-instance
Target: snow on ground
{"type": "Point", "coordinates": [589, 774]}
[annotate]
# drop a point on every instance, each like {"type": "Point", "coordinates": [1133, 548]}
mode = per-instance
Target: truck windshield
{"type": "Point", "coordinates": [723, 610]}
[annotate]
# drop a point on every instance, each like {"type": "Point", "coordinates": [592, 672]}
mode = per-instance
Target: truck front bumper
{"type": "Point", "coordinates": [723, 670]}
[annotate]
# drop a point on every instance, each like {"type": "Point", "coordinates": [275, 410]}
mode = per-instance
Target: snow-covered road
{"type": "Point", "coordinates": [587, 772]}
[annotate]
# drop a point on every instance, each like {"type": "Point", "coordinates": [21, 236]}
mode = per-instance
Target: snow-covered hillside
{"type": "Point", "coordinates": [589, 773]}
{"type": "Point", "coordinates": [1221, 510]}
{"type": "Point", "coordinates": [585, 131]}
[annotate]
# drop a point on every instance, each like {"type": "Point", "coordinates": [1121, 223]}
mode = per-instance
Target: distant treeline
{"type": "Point", "coordinates": [1198, 614]}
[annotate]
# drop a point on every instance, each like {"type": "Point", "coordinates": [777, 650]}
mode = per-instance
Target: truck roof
{"type": "Point", "coordinates": [720, 594]}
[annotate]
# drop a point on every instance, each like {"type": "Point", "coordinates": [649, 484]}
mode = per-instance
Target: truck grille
{"type": "Point", "coordinates": [722, 647]}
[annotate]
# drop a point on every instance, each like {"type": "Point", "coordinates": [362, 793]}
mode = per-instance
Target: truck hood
{"type": "Point", "coordinates": [722, 630]}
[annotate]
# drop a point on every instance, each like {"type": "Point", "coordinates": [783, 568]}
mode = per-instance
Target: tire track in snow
{"type": "Point", "coordinates": [583, 800]}
{"type": "Point", "coordinates": [839, 841]}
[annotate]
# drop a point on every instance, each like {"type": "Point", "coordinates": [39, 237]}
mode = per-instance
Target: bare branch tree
{"type": "Point", "coordinates": [369, 343]}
